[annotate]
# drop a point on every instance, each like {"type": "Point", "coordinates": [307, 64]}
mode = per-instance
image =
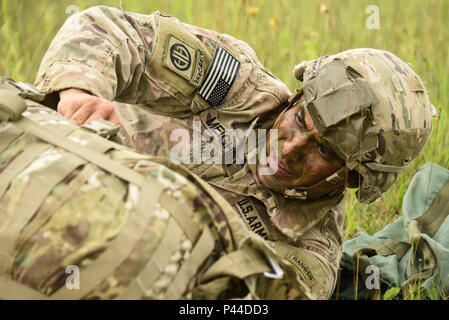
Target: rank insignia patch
{"type": "Point", "coordinates": [220, 77]}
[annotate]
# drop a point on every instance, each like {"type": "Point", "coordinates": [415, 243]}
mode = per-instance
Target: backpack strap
{"type": "Point", "coordinates": [191, 266]}
{"type": "Point", "coordinates": [23, 160]}
{"type": "Point", "coordinates": [11, 104]}
{"type": "Point", "coordinates": [12, 290]}
{"type": "Point", "coordinates": [422, 253]}
{"type": "Point", "coordinates": [241, 264]}
{"type": "Point", "coordinates": [438, 211]}
{"type": "Point", "coordinates": [390, 247]}
{"type": "Point", "coordinates": [9, 133]}
{"type": "Point", "coordinates": [103, 128]}
{"type": "Point", "coordinates": [184, 220]}
{"type": "Point", "coordinates": [86, 153]}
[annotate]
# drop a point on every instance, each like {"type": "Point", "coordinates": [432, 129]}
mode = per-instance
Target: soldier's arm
{"type": "Point", "coordinates": [101, 51]}
{"type": "Point", "coordinates": [158, 62]}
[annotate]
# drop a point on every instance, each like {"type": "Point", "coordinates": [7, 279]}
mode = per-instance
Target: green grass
{"type": "Point", "coordinates": [283, 33]}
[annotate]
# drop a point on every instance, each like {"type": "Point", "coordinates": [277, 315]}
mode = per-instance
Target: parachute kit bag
{"type": "Point", "coordinates": [78, 211]}
{"type": "Point", "coordinates": [411, 254]}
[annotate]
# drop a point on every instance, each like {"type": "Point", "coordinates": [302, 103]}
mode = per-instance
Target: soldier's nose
{"type": "Point", "coordinates": [293, 148]}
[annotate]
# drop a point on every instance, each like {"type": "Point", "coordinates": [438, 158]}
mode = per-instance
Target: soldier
{"type": "Point", "coordinates": [360, 118]}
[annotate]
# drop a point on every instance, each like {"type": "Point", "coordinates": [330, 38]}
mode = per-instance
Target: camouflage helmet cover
{"type": "Point", "coordinates": [372, 109]}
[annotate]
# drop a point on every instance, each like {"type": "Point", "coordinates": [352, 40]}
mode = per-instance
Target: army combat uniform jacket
{"type": "Point", "coordinates": [188, 73]}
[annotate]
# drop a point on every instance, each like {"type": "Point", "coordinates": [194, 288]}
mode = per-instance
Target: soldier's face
{"type": "Point", "coordinates": [303, 157]}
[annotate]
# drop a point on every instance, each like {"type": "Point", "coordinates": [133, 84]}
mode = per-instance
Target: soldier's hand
{"type": "Point", "coordinates": [81, 107]}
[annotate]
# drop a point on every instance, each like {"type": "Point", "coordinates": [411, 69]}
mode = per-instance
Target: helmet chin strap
{"type": "Point", "coordinates": [328, 186]}
{"type": "Point", "coordinates": [277, 186]}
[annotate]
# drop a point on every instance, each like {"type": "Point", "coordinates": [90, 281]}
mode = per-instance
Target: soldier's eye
{"type": "Point", "coordinates": [324, 152]}
{"type": "Point", "coordinates": [300, 121]}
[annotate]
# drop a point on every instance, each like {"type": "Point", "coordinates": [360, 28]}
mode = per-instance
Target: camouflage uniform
{"type": "Point", "coordinates": [127, 57]}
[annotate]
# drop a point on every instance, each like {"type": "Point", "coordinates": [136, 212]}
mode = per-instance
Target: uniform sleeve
{"type": "Point", "coordinates": [161, 64]}
{"type": "Point", "coordinates": [101, 50]}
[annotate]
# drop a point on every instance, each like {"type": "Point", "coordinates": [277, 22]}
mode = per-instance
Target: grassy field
{"type": "Point", "coordinates": [283, 33]}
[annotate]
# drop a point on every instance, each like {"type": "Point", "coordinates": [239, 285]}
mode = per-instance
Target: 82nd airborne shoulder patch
{"type": "Point", "coordinates": [184, 60]}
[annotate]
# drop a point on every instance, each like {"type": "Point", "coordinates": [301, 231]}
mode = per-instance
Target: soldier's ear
{"type": "Point", "coordinates": [434, 110]}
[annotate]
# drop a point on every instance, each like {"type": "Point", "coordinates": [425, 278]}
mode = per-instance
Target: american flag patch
{"type": "Point", "coordinates": [222, 73]}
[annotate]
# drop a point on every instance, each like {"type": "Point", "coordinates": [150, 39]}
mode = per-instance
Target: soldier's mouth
{"type": "Point", "coordinates": [278, 166]}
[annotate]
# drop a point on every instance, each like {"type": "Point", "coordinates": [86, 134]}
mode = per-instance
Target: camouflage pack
{"type": "Point", "coordinates": [135, 226]}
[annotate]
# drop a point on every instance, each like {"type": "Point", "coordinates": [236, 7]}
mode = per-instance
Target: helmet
{"type": "Point", "coordinates": [372, 109]}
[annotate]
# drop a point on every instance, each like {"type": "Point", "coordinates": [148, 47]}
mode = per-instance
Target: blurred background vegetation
{"type": "Point", "coordinates": [283, 33]}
